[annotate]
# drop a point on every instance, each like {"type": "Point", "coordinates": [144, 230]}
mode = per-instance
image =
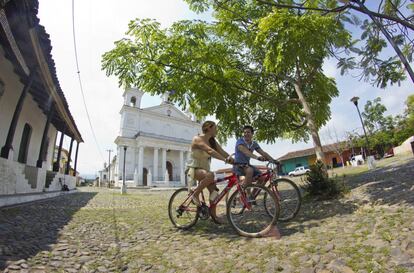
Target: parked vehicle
{"type": "Point", "coordinates": [299, 171]}
{"type": "Point", "coordinates": [357, 160]}
{"type": "Point", "coordinates": [389, 153]}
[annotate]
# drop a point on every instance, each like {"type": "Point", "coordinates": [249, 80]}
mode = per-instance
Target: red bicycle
{"type": "Point", "coordinates": [286, 191]}
{"type": "Point", "coordinates": [250, 216]}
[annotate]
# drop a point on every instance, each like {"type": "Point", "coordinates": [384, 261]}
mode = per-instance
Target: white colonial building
{"type": "Point", "coordinates": [155, 142]}
{"type": "Point", "coordinates": [33, 111]}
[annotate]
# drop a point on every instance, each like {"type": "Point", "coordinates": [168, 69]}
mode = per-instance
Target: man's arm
{"type": "Point", "coordinates": [246, 151]}
{"type": "Point", "coordinates": [264, 154]}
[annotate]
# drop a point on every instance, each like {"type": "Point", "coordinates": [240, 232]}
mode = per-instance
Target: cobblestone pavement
{"type": "Point", "coordinates": [369, 230]}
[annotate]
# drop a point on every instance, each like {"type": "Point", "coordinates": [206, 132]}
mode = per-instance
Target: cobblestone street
{"type": "Point", "coordinates": [98, 230]}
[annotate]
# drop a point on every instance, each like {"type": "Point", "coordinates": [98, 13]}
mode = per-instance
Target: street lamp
{"type": "Point", "coordinates": [367, 153]}
{"type": "Point", "coordinates": [123, 187]}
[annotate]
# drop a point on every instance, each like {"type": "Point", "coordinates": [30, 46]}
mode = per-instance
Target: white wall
{"type": "Point", "coordinates": [167, 126]}
{"type": "Point", "coordinates": [151, 121]}
{"type": "Point", "coordinates": [30, 114]}
{"type": "Point", "coordinates": [13, 88]}
{"type": "Point", "coordinates": [405, 147]}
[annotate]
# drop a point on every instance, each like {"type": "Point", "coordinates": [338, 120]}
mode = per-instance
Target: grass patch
{"type": "Point", "coordinates": [400, 269]}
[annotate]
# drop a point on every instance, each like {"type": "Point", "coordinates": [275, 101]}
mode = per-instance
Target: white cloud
{"type": "Point", "coordinates": [329, 68]}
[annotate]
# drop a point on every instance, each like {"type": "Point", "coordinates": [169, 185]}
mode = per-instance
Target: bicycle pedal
{"type": "Point", "coordinates": [204, 212]}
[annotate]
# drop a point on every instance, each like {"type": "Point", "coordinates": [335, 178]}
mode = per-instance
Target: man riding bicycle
{"type": "Point", "coordinates": [245, 146]}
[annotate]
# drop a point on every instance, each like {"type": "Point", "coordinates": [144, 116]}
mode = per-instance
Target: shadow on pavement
{"type": "Point", "coordinates": [31, 228]}
{"type": "Point", "coordinates": [389, 185]}
{"type": "Point", "coordinates": [313, 212]}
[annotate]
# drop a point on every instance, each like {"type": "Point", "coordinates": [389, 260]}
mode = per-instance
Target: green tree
{"type": "Point", "coordinates": [404, 127]}
{"type": "Point", "coordinates": [386, 131]}
{"type": "Point", "coordinates": [390, 22]}
{"type": "Point", "coordinates": [380, 127]}
{"type": "Point", "coordinates": [267, 73]}
{"type": "Point", "coordinates": [373, 115]}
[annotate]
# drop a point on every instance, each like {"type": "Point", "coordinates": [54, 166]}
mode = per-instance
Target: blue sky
{"type": "Point", "coordinates": [101, 22]}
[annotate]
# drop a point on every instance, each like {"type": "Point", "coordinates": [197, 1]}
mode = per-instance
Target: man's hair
{"type": "Point", "coordinates": [248, 127]}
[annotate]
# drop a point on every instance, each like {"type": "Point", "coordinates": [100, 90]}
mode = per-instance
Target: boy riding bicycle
{"type": "Point", "coordinates": [245, 146]}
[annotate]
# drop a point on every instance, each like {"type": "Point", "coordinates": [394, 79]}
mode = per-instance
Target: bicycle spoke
{"type": "Point", "coordinates": [182, 215]}
{"type": "Point", "coordinates": [288, 196]}
{"type": "Point", "coordinates": [252, 221]}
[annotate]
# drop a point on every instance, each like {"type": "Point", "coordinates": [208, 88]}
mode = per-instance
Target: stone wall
{"type": "Point", "coordinates": [405, 147]}
{"type": "Point", "coordinates": [17, 178]}
{"type": "Point", "coordinates": [61, 179]}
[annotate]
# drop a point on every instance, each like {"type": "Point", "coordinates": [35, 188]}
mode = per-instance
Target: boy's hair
{"type": "Point", "coordinates": [248, 127]}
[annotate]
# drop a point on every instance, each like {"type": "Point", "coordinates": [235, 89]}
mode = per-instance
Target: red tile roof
{"type": "Point", "coordinates": [310, 151]}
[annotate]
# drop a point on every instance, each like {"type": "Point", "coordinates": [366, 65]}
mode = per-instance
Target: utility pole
{"type": "Point", "coordinates": [355, 101]}
{"type": "Point", "coordinates": [123, 187]}
{"type": "Point", "coordinates": [109, 168]}
{"type": "Point", "coordinates": [369, 157]}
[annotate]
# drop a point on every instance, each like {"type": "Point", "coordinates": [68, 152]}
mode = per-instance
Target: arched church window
{"type": "Point", "coordinates": [24, 143]}
{"type": "Point", "coordinates": [133, 101]}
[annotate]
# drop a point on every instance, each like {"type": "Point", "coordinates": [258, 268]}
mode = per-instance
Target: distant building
{"type": "Point", "coordinates": [158, 140]}
{"type": "Point", "coordinates": [64, 159]}
{"type": "Point", "coordinates": [33, 109]}
{"type": "Point", "coordinates": [406, 147]}
{"type": "Point", "coordinates": [307, 157]}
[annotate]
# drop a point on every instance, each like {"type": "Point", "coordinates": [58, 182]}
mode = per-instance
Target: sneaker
{"type": "Point", "coordinates": [203, 212]}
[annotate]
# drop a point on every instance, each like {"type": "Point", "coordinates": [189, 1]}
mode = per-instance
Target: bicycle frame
{"type": "Point", "coordinates": [268, 175]}
{"type": "Point", "coordinates": [232, 180]}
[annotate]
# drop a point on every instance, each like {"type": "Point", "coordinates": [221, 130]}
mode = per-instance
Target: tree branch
{"type": "Point", "coordinates": [383, 16]}
{"type": "Point", "coordinates": [277, 5]}
{"type": "Point", "coordinates": [340, 9]}
{"type": "Point", "coordinates": [222, 83]}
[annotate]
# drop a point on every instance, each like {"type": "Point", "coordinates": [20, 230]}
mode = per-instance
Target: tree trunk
{"type": "Point", "coordinates": [309, 116]}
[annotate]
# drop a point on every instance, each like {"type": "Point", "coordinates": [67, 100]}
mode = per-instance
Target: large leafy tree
{"type": "Point", "coordinates": [263, 67]}
{"type": "Point", "coordinates": [382, 23]}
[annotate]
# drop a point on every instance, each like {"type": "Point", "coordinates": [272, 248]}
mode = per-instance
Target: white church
{"type": "Point", "coordinates": [154, 141]}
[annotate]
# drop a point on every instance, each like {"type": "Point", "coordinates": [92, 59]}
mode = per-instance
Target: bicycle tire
{"type": "Point", "coordinates": [289, 197]}
{"type": "Point", "coordinates": [173, 210]}
{"type": "Point", "coordinates": [249, 230]}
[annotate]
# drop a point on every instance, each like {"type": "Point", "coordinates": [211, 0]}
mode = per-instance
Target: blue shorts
{"type": "Point", "coordinates": [239, 170]}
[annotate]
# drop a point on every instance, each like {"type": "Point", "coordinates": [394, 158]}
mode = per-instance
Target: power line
{"type": "Point", "coordinates": [80, 81]}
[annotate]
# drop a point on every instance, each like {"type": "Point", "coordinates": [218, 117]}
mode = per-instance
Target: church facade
{"type": "Point", "coordinates": [153, 142]}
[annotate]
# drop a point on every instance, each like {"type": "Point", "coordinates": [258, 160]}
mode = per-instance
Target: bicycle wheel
{"type": "Point", "coordinates": [289, 197]}
{"type": "Point", "coordinates": [253, 220]}
{"type": "Point", "coordinates": [182, 215]}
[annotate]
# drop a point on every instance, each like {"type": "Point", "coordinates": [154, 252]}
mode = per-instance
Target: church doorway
{"type": "Point", "coordinates": [144, 177]}
{"type": "Point", "coordinates": [170, 171]}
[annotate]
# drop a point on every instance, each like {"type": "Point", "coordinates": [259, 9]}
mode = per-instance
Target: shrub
{"type": "Point", "coordinates": [318, 183]}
